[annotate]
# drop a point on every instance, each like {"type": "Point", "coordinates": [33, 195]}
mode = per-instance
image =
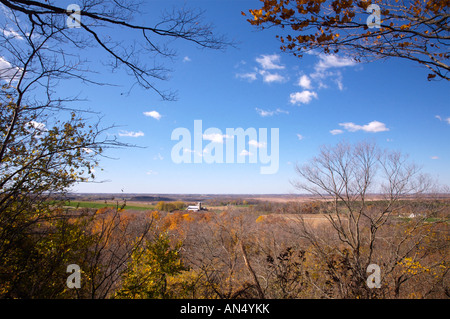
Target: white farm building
{"type": "Point", "coordinates": [195, 208]}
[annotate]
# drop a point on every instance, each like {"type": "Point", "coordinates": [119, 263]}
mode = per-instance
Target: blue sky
{"type": "Point", "coordinates": [313, 101]}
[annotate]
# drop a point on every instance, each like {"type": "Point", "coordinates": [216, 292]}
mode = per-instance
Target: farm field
{"type": "Point", "coordinates": [99, 204]}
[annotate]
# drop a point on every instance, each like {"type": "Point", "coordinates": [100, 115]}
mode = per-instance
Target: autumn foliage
{"type": "Point", "coordinates": [170, 206]}
{"type": "Point", "coordinates": [413, 30]}
{"type": "Point", "coordinates": [236, 253]}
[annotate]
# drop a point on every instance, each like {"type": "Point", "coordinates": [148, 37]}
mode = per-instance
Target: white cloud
{"type": "Point", "coordinates": [338, 81]}
{"type": "Point", "coordinates": [300, 137]}
{"type": "Point", "coordinates": [245, 153]}
{"type": "Point", "coordinates": [150, 172]}
{"type": "Point", "coordinates": [37, 128]}
{"type": "Point", "coordinates": [266, 64]}
{"type": "Point", "coordinates": [256, 143]}
{"type": "Point", "coordinates": [305, 82]}
{"type": "Point", "coordinates": [271, 77]}
{"type": "Point", "coordinates": [153, 114]}
{"type": "Point", "coordinates": [251, 76]}
{"type": "Point", "coordinates": [336, 132]}
{"type": "Point", "coordinates": [13, 34]}
{"type": "Point", "coordinates": [7, 71]}
{"type": "Point", "coordinates": [158, 157]}
{"type": "Point", "coordinates": [131, 134]}
{"type": "Point", "coordinates": [278, 111]}
{"type": "Point", "coordinates": [187, 59]}
{"type": "Point", "coordinates": [302, 97]}
{"type": "Point", "coordinates": [215, 137]}
{"type": "Point", "coordinates": [270, 62]}
{"type": "Point", "coordinates": [434, 157]}
{"type": "Point", "coordinates": [372, 127]}
{"type": "Point", "coordinates": [265, 113]}
{"type": "Point", "coordinates": [332, 61]}
{"type": "Point", "coordinates": [323, 70]}
{"type": "Point", "coordinates": [442, 119]}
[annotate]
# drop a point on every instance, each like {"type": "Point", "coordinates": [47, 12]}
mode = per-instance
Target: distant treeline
{"type": "Point", "coordinates": [321, 207]}
{"type": "Point", "coordinates": [170, 206]}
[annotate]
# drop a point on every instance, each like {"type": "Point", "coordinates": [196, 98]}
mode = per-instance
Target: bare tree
{"type": "Point", "coordinates": [366, 188]}
{"type": "Point", "coordinates": [116, 236]}
{"type": "Point", "coordinates": [219, 251]}
{"type": "Point", "coordinates": [139, 53]}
